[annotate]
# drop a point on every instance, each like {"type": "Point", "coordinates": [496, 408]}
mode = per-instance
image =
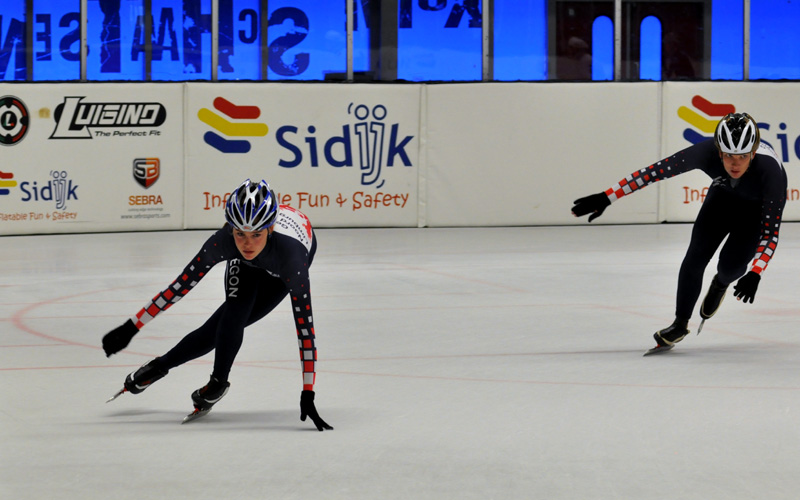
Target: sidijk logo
{"type": "Point", "coordinates": [14, 120]}
{"type": "Point", "coordinates": [700, 122]}
{"type": "Point", "coordinates": [76, 119]}
{"type": "Point", "coordinates": [146, 171]}
{"type": "Point", "coordinates": [230, 128]}
{"type": "Point", "coordinates": [370, 142]}
{"type": "Point", "coordinates": [6, 181]}
{"type": "Point", "coordinates": [703, 127]}
{"type": "Point", "coordinates": [58, 189]}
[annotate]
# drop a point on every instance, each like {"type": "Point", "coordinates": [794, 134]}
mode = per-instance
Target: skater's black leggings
{"type": "Point", "coordinates": [722, 214]}
{"type": "Point", "coordinates": [251, 294]}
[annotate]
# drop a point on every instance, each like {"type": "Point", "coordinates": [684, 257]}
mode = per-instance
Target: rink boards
{"type": "Point", "coordinates": [139, 157]}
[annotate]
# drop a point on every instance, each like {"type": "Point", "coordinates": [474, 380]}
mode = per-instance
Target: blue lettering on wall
{"type": "Point", "coordinates": [137, 46]}
{"type": "Point", "coordinates": [437, 6]}
{"type": "Point", "coordinates": [226, 47]}
{"type": "Point", "coordinates": [365, 11]}
{"type": "Point", "coordinates": [251, 35]}
{"type": "Point", "coordinates": [195, 23]}
{"type": "Point", "coordinates": [471, 7]}
{"type": "Point", "coordinates": [110, 58]}
{"type": "Point", "coordinates": [13, 43]}
{"type": "Point", "coordinates": [227, 40]}
{"type": "Point", "coordinates": [166, 27]}
{"type": "Point", "coordinates": [71, 38]}
{"type": "Point", "coordinates": [293, 25]}
{"type": "Point", "coordinates": [45, 36]}
{"type": "Point", "coordinates": [118, 36]}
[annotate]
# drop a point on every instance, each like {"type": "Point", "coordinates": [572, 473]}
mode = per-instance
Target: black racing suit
{"type": "Point", "coordinates": [747, 210]}
{"type": "Point", "coordinates": [252, 289]}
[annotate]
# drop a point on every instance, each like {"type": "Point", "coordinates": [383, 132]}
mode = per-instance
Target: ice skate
{"type": "Point", "coordinates": [141, 379]}
{"type": "Point", "coordinates": [206, 397]}
{"type": "Point", "coordinates": [668, 337]}
{"type": "Point", "coordinates": [710, 305]}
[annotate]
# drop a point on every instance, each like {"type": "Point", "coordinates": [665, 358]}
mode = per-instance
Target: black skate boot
{"type": "Point", "coordinates": [206, 397]}
{"type": "Point", "coordinates": [714, 297]}
{"type": "Point", "coordinates": [141, 379]}
{"type": "Point", "coordinates": [672, 334]}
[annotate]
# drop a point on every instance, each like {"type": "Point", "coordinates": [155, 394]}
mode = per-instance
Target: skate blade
{"type": "Point", "coordinates": [195, 415]}
{"type": "Point", "coordinates": [659, 349]}
{"type": "Point", "coordinates": [700, 328]}
{"type": "Point", "coordinates": [115, 396]}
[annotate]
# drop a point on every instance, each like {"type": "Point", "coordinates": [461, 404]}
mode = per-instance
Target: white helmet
{"type": "Point", "coordinates": [251, 207]}
{"type": "Point", "coordinates": [737, 134]}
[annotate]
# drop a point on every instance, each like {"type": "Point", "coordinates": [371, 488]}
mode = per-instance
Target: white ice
{"type": "Point", "coordinates": [462, 363]}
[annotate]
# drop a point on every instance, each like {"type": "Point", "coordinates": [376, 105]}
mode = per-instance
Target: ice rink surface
{"type": "Point", "coordinates": [494, 363]}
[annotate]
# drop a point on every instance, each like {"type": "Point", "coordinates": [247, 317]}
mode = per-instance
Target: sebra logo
{"type": "Point", "coordinates": [75, 118]}
{"type": "Point", "coordinates": [370, 143]}
{"type": "Point", "coordinates": [146, 171]}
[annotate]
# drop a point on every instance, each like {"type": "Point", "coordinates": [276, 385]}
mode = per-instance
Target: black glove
{"type": "Point", "coordinates": [119, 338]}
{"type": "Point", "coordinates": [746, 288]}
{"type": "Point", "coordinates": [594, 204]}
{"type": "Point", "coordinates": [307, 408]}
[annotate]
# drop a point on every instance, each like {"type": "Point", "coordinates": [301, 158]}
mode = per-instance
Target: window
{"type": "Point", "coordinates": [774, 40]}
{"type": "Point", "coordinates": [439, 40]}
{"type": "Point", "coordinates": [307, 39]}
{"type": "Point", "coordinates": [407, 40]}
{"type": "Point", "coordinates": [181, 40]}
{"type": "Point", "coordinates": [56, 40]}
{"type": "Point", "coordinates": [115, 40]}
{"type": "Point", "coordinates": [520, 40]}
{"type": "Point", "coordinates": [240, 40]}
{"type": "Point", "coordinates": [12, 41]}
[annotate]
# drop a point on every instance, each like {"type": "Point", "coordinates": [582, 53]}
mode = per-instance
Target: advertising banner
{"type": "Point", "coordinates": [345, 155]}
{"type": "Point", "coordinates": [691, 112]}
{"type": "Point", "coordinates": [83, 158]}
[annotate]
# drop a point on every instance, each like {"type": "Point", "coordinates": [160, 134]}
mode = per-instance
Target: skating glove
{"type": "Point", "coordinates": [307, 408]}
{"type": "Point", "coordinates": [119, 338]}
{"type": "Point", "coordinates": [746, 288]}
{"type": "Point", "coordinates": [594, 204]}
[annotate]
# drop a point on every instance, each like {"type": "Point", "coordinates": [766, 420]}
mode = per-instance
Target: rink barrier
{"type": "Point", "coordinates": [164, 156]}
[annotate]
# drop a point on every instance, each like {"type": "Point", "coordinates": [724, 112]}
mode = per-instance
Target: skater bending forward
{"type": "Point", "coordinates": [268, 249]}
{"type": "Point", "coordinates": [744, 203]}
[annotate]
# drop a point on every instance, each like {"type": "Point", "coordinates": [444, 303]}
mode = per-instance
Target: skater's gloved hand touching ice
{"type": "Point", "coordinates": [119, 338]}
{"type": "Point", "coordinates": [594, 204]}
{"type": "Point", "coordinates": [307, 408]}
{"type": "Point", "coordinates": [746, 288]}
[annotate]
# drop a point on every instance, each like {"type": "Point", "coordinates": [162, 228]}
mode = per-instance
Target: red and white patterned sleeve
{"type": "Point", "coordinates": [207, 258]}
{"type": "Point", "coordinates": [294, 224]}
{"type": "Point", "coordinates": [300, 295]}
{"type": "Point", "coordinates": [702, 155]}
{"type": "Point", "coordinates": [774, 200]}
{"type": "Point", "coordinates": [664, 169]}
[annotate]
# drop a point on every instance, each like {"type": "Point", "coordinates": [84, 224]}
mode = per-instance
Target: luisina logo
{"type": "Point", "coordinates": [83, 120]}
{"type": "Point", "coordinates": [228, 128]}
{"type": "Point", "coordinates": [14, 120]}
{"type": "Point", "coordinates": [370, 141]}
